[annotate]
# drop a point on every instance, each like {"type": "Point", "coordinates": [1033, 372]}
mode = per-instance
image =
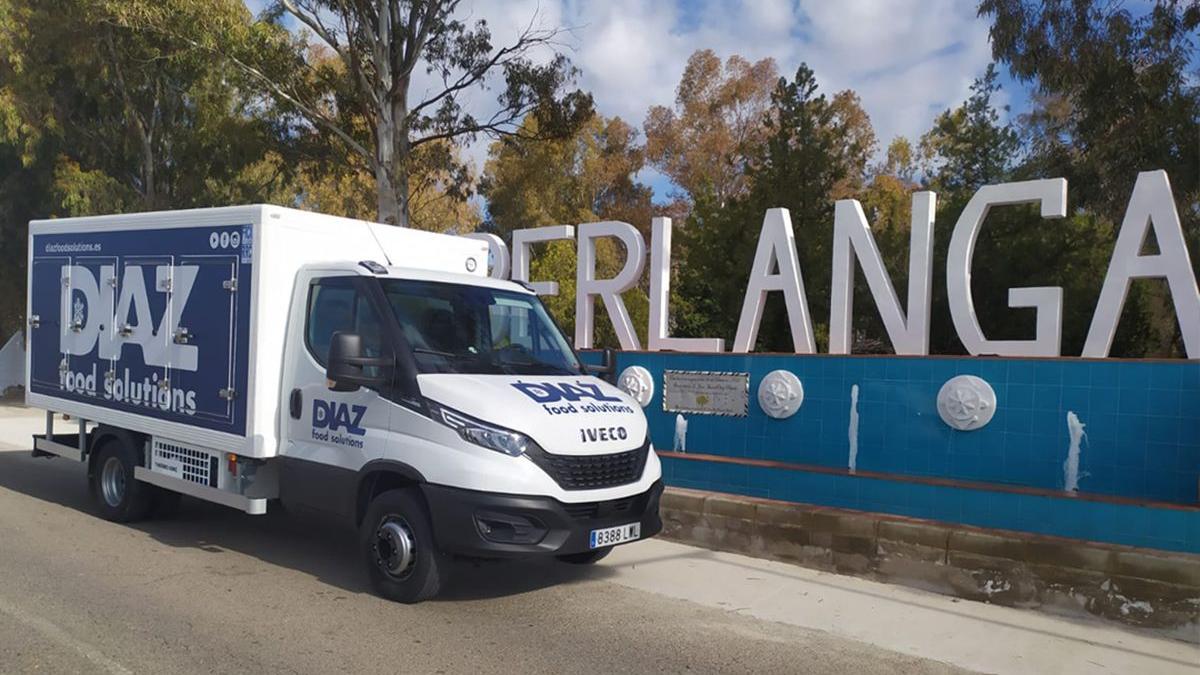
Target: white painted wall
{"type": "Point", "coordinates": [12, 362]}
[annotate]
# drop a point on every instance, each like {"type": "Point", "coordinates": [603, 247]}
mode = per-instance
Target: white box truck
{"type": "Point", "coordinates": [253, 353]}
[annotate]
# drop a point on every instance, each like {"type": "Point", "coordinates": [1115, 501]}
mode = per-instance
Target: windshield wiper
{"type": "Point", "coordinates": [490, 358]}
{"type": "Point", "coordinates": [554, 368]}
{"type": "Point", "coordinates": [449, 355]}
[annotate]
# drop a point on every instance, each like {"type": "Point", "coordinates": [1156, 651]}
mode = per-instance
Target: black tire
{"type": "Point", "coordinates": [119, 496]}
{"type": "Point", "coordinates": [586, 557]}
{"type": "Point", "coordinates": [392, 516]}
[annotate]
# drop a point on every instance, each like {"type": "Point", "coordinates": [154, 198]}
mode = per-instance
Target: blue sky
{"type": "Point", "coordinates": [907, 59]}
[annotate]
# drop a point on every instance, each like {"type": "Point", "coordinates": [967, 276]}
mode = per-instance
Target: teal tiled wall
{"type": "Point", "coordinates": [1142, 421]}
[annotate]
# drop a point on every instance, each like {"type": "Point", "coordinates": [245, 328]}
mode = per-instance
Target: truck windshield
{"type": "Point", "coordinates": [455, 328]}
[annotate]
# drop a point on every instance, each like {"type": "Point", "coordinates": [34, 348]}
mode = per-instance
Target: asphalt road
{"type": "Point", "coordinates": [212, 590]}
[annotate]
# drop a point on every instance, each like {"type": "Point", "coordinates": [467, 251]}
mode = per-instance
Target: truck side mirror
{"type": "Point", "coordinates": [346, 368]}
{"type": "Point", "coordinates": [607, 370]}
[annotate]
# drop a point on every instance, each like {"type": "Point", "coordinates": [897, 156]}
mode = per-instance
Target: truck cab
{"type": "Point", "coordinates": [447, 412]}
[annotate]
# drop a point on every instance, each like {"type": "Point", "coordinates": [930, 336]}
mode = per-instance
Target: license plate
{"type": "Point", "coordinates": [611, 536]}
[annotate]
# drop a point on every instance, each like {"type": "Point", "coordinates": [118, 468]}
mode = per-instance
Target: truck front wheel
{"type": "Point", "coordinates": [402, 559]}
{"type": "Point", "coordinates": [120, 497]}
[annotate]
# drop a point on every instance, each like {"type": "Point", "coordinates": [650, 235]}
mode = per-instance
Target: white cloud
{"type": "Point", "coordinates": [907, 59]}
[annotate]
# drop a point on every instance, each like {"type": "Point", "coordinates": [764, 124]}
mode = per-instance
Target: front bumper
{"type": "Point", "coordinates": [491, 525]}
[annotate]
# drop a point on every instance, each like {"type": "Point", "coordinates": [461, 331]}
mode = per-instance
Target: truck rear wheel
{"type": "Point", "coordinates": [402, 559]}
{"type": "Point", "coordinates": [119, 496]}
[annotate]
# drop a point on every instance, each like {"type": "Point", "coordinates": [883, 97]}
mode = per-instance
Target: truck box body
{"type": "Point", "coordinates": [173, 324]}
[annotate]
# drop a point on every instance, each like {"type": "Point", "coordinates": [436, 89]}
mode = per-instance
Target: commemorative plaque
{"type": "Point", "coordinates": [706, 393]}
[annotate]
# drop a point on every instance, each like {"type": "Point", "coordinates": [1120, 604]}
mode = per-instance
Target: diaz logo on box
{"type": "Point", "coordinates": [95, 316]}
{"type": "Point", "coordinates": [334, 416]}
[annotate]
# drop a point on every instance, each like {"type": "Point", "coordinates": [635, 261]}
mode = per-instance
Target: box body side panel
{"type": "Point", "coordinates": [146, 323]}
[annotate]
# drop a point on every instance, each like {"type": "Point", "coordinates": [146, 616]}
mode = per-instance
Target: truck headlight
{"type": "Point", "coordinates": [492, 437]}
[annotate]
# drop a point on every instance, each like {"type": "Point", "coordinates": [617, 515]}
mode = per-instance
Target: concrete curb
{"type": "Point", "coordinates": [1140, 587]}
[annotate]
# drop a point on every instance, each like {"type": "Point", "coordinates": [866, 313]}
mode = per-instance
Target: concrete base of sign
{"type": "Point", "coordinates": [1134, 586]}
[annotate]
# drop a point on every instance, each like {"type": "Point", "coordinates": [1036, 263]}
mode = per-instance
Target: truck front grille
{"type": "Point", "coordinates": [609, 509]}
{"type": "Point", "coordinates": [592, 472]}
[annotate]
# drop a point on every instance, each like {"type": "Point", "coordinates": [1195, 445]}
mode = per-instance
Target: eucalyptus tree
{"type": "Point", "coordinates": [711, 137]}
{"type": "Point", "coordinates": [411, 74]}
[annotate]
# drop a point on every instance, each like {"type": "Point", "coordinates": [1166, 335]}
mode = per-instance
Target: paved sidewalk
{"type": "Point", "coordinates": [973, 635]}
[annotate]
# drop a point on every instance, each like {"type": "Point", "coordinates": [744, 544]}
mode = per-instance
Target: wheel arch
{"type": "Point", "coordinates": [378, 476]}
{"type": "Point", "coordinates": [104, 434]}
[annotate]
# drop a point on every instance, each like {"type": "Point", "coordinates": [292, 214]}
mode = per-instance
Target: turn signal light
{"type": "Point", "coordinates": [233, 460]}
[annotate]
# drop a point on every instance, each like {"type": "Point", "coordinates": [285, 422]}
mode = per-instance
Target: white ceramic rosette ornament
{"type": "Point", "coordinates": [638, 383]}
{"type": "Point", "coordinates": [780, 394]}
{"type": "Point", "coordinates": [966, 402]}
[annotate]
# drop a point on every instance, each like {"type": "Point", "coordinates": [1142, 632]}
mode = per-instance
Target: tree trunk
{"type": "Point", "coordinates": [149, 193]}
{"type": "Point", "coordinates": [400, 192]}
{"type": "Point", "coordinates": [391, 186]}
{"type": "Point", "coordinates": [400, 150]}
{"type": "Point", "coordinates": [387, 209]}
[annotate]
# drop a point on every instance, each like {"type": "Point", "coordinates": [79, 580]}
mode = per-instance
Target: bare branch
{"type": "Point", "coordinates": [313, 21]}
{"type": "Point", "coordinates": [353, 62]}
{"type": "Point", "coordinates": [419, 34]}
{"type": "Point", "coordinates": [310, 111]}
{"type": "Point", "coordinates": [496, 126]}
{"type": "Point", "coordinates": [466, 80]}
{"type": "Point", "coordinates": [529, 39]}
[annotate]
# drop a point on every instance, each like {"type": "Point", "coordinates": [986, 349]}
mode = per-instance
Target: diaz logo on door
{"type": "Point", "coordinates": [330, 417]}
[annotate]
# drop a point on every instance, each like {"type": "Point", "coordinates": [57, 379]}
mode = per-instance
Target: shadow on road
{"type": "Point", "coordinates": [300, 541]}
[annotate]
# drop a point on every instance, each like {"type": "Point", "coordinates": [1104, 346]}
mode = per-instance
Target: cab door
{"type": "Point", "coordinates": [330, 435]}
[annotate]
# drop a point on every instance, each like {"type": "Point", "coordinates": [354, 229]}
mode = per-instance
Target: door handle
{"type": "Point", "coordinates": [295, 402]}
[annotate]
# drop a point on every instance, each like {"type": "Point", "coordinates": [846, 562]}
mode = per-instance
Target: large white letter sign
{"type": "Point", "coordinates": [660, 297]}
{"type": "Point", "coordinates": [497, 254]}
{"type": "Point", "coordinates": [522, 240]}
{"type": "Point", "coordinates": [776, 246]}
{"type": "Point", "coordinates": [1151, 206]}
{"type": "Point", "coordinates": [852, 233]}
{"type": "Point", "coordinates": [1051, 193]}
{"type": "Point", "coordinates": [587, 285]}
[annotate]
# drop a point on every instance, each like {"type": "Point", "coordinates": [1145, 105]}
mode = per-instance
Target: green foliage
{"type": "Point", "coordinates": [138, 119]}
{"type": "Point", "coordinates": [586, 177]}
{"type": "Point", "coordinates": [814, 149]}
{"type": "Point", "coordinates": [556, 261]}
{"type": "Point", "coordinates": [969, 147]}
{"type": "Point", "coordinates": [97, 116]}
{"type": "Point", "coordinates": [716, 129]}
{"type": "Point", "coordinates": [1116, 94]}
